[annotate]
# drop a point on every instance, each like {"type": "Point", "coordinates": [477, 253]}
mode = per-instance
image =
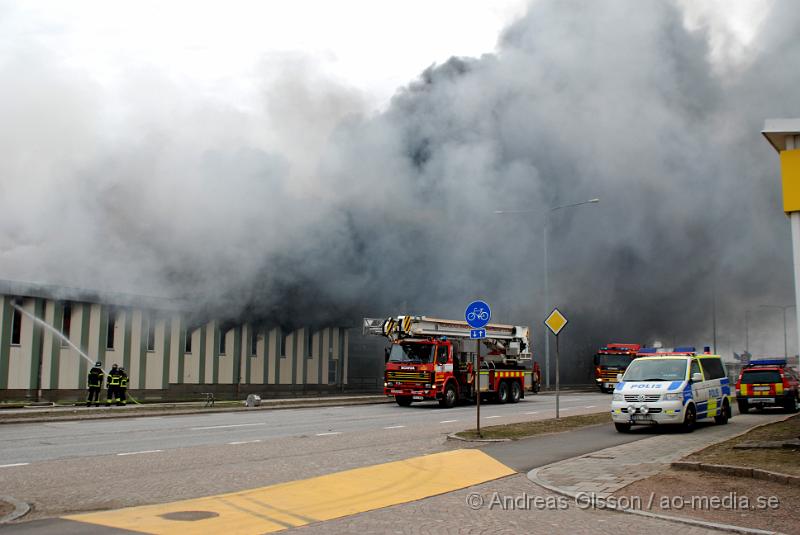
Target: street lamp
{"type": "Point", "coordinates": [546, 269]}
{"type": "Point", "coordinates": [784, 308]}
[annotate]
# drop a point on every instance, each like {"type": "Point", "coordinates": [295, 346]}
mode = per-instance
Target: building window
{"type": "Point", "coordinates": [253, 342]}
{"type": "Point", "coordinates": [221, 342]}
{"type": "Point", "coordinates": [187, 341]}
{"type": "Point", "coordinates": [151, 335]}
{"type": "Point", "coordinates": [310, 345]}
{"type": "Point", "coordinates": [332, 364]}
{"type": "Point", "coordinates": [112, 323]}
{"type": "Point", "coordinates": [66, 323]}
{"type": "Point", "coordinates": [284, 338]}
{"type": "Point", "coordinates": [16, 326]}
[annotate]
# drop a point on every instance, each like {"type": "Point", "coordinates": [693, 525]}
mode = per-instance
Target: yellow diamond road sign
{"type": "Point", "coordinates": [555, 321]}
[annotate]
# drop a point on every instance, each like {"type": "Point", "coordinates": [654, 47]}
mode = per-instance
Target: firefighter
{"type": "Point", "coordinates": [122, 398]}
{"type": "Point", "coordinates": [112, 384]}
{"type": "Point", "coordinates": [95, 382]}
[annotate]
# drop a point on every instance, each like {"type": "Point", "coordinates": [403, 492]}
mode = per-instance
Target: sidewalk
{"type": "Point", "coordinates": [77, 412]}
{"type": "Point", "coordinates": [600, 474]}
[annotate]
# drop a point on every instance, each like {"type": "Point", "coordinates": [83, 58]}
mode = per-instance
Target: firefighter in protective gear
{"type": "Point", "coordinates": [112, 383]}
{"type": "Point", "coordinates": [95, 383]}
{"type": "Point", "coordinates": [122, 398]}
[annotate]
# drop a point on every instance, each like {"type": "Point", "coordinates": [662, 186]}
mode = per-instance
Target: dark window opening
{"type": "Point", "coordinates": [310, 343]}
{"type": "Point", "coordinates": [253, 342]}
{"type": "Point", "coordinates": [221, 342]}
{"type": "Point", "coordinates": [284, 338]}
{"type": "Point", "coordinates": [110, 329]}
{"type": "Point", "coordinates": [16, 327]}
{"type": "Point", "coordinates": [66, 323]}
{"type": "Point", "coordinates": [151, 336]}
{"type": "Point", "coordinates": [187, 342]}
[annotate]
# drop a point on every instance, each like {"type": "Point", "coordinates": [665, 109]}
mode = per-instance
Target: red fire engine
{"type": "Point", "coordinates": [610, 360]}
{"type": "Point", "coordinates": [434, 359]}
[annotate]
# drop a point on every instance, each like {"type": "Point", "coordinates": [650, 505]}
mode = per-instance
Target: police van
{"type": "Point", "coordinates": [678, 387]}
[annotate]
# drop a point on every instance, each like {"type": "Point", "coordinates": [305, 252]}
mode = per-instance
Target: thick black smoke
{"type": "Point", "coordinates": [262, 215]}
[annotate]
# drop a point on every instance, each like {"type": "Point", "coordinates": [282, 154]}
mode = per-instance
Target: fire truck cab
{"type": "Point", "coordinates": [611, 360]}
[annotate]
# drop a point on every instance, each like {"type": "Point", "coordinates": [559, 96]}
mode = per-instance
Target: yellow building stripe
{"type": "Point", "coordinates": [298, 503]}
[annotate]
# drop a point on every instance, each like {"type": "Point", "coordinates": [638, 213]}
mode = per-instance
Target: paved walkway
{"type": "Point", "coordinates": [606, 471]}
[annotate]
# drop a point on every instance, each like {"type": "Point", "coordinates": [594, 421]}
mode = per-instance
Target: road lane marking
{"type": "Point", "coordinates": [394, 427]}
{"type": "Point", "coordinates": [590, 406]}
{"type": "Point", "coordinates": [487, 417]}
{"type": "Point", "coordinates": [532, 412]}
{"type": "Point", "coordinates": [329, 434]}
{"type": "Point", "coordinates": [226, 426]}
{"type": "Point", "coordinates": [447, 421]}
{"type": "Point", "coordinates": [297, 503]}
{"type": "Point", "coordinates": [139, 452]}
{"type": "Point", "coordinates": [243, 442]}
{"type": "Point", "coordinates": [13, 464]}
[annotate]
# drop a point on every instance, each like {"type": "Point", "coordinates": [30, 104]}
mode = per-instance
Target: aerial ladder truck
{"type": "Point", "coordinates": [435, 359]}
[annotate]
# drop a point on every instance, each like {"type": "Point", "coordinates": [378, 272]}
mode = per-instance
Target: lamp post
{"type": "Point", "coordinates": [546, 269]}
{"type": "Point", "coordinates": [784, 308]}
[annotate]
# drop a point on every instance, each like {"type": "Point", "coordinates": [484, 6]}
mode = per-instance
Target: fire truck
{"type": "Point", "coordinates": [434, 359]}
{"type": "Point", "coordinates": [610, 360]}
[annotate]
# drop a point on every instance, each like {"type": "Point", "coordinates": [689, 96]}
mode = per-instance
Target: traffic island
{"type": "Point", "coordinates": [522, 430]}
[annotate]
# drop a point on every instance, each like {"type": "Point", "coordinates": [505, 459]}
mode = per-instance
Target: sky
{"type": "Point", "coordinates": [219, 48]}
{"type": "Point", "coordinates": [325, 154]}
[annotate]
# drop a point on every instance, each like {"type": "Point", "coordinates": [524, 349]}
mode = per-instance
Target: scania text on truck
{"type": "Point", "coordinates": [434, 359]}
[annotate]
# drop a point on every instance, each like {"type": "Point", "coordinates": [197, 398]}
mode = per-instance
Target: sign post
{"type": "Point", "coordinates": [477, 315]}
{"type": "Point", "coordinates": [555, 322]}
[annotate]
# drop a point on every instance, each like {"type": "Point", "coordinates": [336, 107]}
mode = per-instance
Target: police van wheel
{"type": "Point", "coordinates": [403, 401]}
{"type": "Point", "coordinates": [450, 397]}
{"type": "Point", "coordinates": [743, 407]}
{"type": "Point", "coordinates": [724, 415]}
{"type": "Point", "coordinates": [516, 392]}
{"type": "Point", "coordinates": [622, 428]}
{"type": "Point", "coordinates": [690, 420]}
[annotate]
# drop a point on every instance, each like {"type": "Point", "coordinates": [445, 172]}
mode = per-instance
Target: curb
{"type": "Point", "coordinates": [20, 509]}
{"type": "Point", "coordinates": [132, 413]}
{"type": "Point", "coordinates": [737, 471]}
{"type": "Point", "coordinates": [533, 476]}
{"type": "Point", "coordinates": [452, 436]}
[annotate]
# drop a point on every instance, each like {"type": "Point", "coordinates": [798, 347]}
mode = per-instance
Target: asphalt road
{"type": "Point", "coordinates": [66, 467]}
{"type": "Point", "coordinates": [37, 442]}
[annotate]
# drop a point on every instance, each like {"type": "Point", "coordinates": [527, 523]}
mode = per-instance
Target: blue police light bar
{"type": "Point", "coordinates": [647, 350]}
{"type": "Point", "coordinates": [684, 349]}
{"type": "Point", "coordinates": [768, 362]}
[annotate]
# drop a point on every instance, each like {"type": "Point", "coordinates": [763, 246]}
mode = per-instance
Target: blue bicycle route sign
{"type": "Point", "coordinates": [478, 314]}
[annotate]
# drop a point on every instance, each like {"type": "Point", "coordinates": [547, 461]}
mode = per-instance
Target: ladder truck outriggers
{"type": "Point", "coordinates": [434, 359]}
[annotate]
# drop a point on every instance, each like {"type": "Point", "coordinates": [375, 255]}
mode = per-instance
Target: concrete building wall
{"type": "Point", "coordinates": [114, 334]}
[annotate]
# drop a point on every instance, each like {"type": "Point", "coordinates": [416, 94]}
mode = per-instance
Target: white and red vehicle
{"type": "Point", "coordinates": [434, 359]}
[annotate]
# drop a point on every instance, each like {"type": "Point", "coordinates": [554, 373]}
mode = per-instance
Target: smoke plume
{"type": "Point", "coordinates": [312, 208]}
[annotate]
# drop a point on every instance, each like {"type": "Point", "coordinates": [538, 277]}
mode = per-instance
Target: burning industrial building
{"type": "Point", "coordinates": [312, 210]}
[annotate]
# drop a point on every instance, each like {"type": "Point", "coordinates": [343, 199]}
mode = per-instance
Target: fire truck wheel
{"type": "Point", "coordinates": [723, 417]}
{"type": "Point", "coordinates": [403, 401]}
{"type": "Point", "coordinates": [743, 406]}
{"type": "Point", "coordinates": [450, 397]}
{"type": "Point", "coordinates": [502, 392]}
{"type": "Point", "coordinates": [516, 392]}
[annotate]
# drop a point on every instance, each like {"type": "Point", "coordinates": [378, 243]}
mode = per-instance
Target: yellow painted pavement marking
{"type": "Point", "coordinates": [298, 503]}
